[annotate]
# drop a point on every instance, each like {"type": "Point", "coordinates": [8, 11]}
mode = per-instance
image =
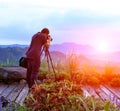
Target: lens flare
{"type": "Point", "coordinates": [102, 46]}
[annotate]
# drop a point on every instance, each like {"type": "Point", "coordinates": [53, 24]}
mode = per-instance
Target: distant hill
{"type": "Point", "coordinates": [11, 55]}
{"type": "Point", "coordinates": [64, 48]}
{"type": "Point", "coordinates": [72, 47]}
{"type": "Point", "coordinates": [14, 45]}
{"type": "Point", "coordinates": [61, 50]}
{"type": "Point", "coordinates": [57, 56]}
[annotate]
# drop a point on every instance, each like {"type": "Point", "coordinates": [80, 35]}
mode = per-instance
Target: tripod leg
{"type": "Point", "coordinates": [48, 63]}
{"type": "Point", "coordinates": [42, 51]}
{"type": "Point", "coordinates": [51, 62]}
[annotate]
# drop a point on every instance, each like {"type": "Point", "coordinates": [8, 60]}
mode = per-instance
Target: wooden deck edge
{"type": "Point", "coordinates": [21, 97]}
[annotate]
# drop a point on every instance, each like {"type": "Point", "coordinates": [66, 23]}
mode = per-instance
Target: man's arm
{"type": "Point", "coordinates": [48, 42]}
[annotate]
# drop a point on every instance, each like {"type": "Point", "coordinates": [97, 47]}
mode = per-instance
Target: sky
{"type": "Point", "coordinates": [86, 22]}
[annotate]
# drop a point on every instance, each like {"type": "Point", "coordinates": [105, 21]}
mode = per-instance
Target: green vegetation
{"type": "Point", "coordinates": [11, 106]}
{"type": "Point", "coordinates": [86, 74]}
{"type": "Point", "coordinates": [65, 93]}
{"type": "Point", "coordinates": [62, 91]}
{"type": "Point", "coordinates": [9, 56]}
{"type": "Point", "coordinates": [63, 96]}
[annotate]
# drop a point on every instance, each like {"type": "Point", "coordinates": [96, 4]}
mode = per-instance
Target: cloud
{"type": "Point", "coordinates": [29, 12]}
{"type": "Point", "coordinates": [66, 19]}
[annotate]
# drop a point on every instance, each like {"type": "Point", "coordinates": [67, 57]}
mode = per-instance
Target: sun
{"type": "Point", "coordinates": [102, 46]}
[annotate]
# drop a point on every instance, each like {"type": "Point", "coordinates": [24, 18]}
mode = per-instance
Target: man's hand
{"type": "Point", "coordinates": [49, 39]}
{"type": "Point", "coordinates": [47, 45]}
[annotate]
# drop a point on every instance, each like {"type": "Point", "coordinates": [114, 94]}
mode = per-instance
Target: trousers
{"type": "Point", "coordinates": [32, 72]}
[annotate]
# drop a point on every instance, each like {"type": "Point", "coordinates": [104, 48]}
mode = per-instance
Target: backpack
{"type": "Point", "coordinates": [23, 62]}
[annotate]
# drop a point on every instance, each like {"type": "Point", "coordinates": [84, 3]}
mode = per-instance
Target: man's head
{"type": "Point", "coordinates": [45, 30]}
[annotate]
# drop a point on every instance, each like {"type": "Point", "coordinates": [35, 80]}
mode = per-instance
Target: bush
{"type": "Point", "coordinates": [63, 96]}
{"type": "Point", "coordinates": [115, 82]}
{"type": "Point", "coordinates": [94, 81]}
{"type": "Point", "coordinates": [51, 96]}
{"type": "Point", "coordinates": [11, 106]}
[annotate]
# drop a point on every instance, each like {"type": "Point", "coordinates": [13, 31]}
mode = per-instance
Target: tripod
{"type": "Point", "coordinates": [47, 54]}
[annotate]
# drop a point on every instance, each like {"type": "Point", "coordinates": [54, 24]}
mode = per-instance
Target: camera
{"type": "Point", "coordinates": [47, 45]}
{"type": "Point", "coordinates": [49, 38]}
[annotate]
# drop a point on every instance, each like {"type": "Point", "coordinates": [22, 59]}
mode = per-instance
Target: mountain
{"type": "Point", "coordinates": [64, 48]}
{"type": "Point", "coordinates": [57, 56]}
{"type": "Point", "coordinates": [61, 50]}
{"type": "Point", "coordinates": [72, 47]}
{"type": "Point", "coordinates": [115, 56]}
{"type": "Point", "coordinates": [13, 45]}
{"type": "Point", "coordinates": [11, 55]}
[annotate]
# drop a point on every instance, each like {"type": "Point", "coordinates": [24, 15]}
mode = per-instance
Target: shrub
{"type": "Point", "coordinates": [115, 82]}
{"type": "Point", "coordinates": [51, 96]}
{"type": "Point", "coordinates": [72, 63]}
{"type": "Point", "coordinates": [94, 81]}
{"type": "Point", "coordinates": [64, 96]}
{"type": "Point", "coordinates": [11, 106]}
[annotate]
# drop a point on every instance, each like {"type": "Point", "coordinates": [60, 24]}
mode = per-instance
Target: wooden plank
{"type": "Point", "coordinates": [15, 92]}
{"type": "Point", "coordinates": [115, 91]}
{"type": "Point", "coordinates": [112, 97]}
{"type": "Point", "coordinates": [91, 91]}
{"type": "Point", "coordinates": [3, 87]}
{"type": "Point", "coordinates": [8, 90]}
{"type": "Point", "coordinates": [101, 94]}
{"type": "Point", "coordinates": [20, 99]}
{"type": "Point", "coordinates": [86, 93]}
{"type": "Point", "coordinates": [106, 90]}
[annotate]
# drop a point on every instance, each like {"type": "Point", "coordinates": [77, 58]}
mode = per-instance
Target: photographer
{"type": "Point", "coordinates": [39, 40]}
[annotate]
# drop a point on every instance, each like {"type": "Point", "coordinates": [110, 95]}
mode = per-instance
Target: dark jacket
{"type": "Point", "coordinates": [38, 40]}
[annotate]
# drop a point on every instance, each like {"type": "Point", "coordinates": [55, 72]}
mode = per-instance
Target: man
{"type": "Point", "coordinates": [33, 55]}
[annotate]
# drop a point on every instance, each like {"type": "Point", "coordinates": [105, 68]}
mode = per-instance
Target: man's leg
{"type": "Point", "coordinates": [29, 72]}
{"type": "Point", "coordinates": [35, 70]}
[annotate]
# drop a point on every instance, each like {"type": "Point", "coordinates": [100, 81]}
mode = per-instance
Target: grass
{"type": "Point", "coordinates": [11, 106]}
{"type": "Point", "coordinates": [65, 93]}
{"type": "Point", "coordinates": [64, 96]}
{"type": "Point", "coordinates": [85, 74]}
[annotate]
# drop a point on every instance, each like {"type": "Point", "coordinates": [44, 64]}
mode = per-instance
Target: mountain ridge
{"type": "Point", "coordinates": [63, 47]}
{"type": "Point", "coordinates": [70, 47]}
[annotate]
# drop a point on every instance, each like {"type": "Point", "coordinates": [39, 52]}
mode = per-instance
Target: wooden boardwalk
{"type": "Point", "coordinates": [105, 93]}
{"type": "Point", "coordinates": [18, 91]}
{"type": "Point", "coordinates": [15, 92]}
